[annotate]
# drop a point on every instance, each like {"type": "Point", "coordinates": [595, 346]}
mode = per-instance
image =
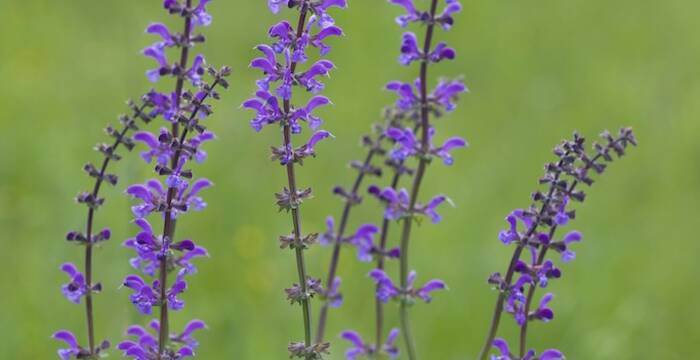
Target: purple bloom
{"type": "Point", "coordinates": [443, 96]}
{"type": "Point", "coordinates": [563, 246]}
{"type": "Point", "coordinates": [504, 349]}
{"type": "Point", "coordinates": [411, 12]}
{"type": "Point", "coordinates": [543, 312]}
{"type": "Point", "coordinates": [145, 346]}
{"type": "Point", "coordinates": [73, 350]}
{"type": "Point", "coordinates": [76, 288]}
{"type": "Point", "coordinates": [407, 145]}
{"type": "Point", "coordinates": [386, 289]}
{"type": "Point", "coordinates": [328, 237]}
{"type": "Point", "coordinates": [363, 239]}
{"type": "Point", "coordinates": [429, 209]}
{"type": "Point", "coordinates": [146, 296]}
{"type": "Point", "coordinates": [397, 203]}
{"type": "Point", "coordinates": [158, 149]}
{"type": "Point", "coordinates": [335, 298]}
{"type": "Point", "coordinates": [154, 196]}
{"type": "Point", "coordinates": [410, 51]}
{"type": "Point", "coordinates": [360, 348]}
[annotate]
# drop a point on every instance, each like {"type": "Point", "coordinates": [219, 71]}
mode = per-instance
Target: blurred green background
{"type": "Point", "coordinates": [537, 70]}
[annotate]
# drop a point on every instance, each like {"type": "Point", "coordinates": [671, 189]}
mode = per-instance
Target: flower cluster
{"type": "Point", "coordinates": [534, 229]}
{"type": "Point", "coordinates": [171, 151]}
{"type": "Point", "coordinates": [145, 345]}
{"type": "Point", "coordinates": [411, 136]}
{"type": "Point", "coordinates": [280, 60]}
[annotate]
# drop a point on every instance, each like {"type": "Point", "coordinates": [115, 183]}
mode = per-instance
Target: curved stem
{"type": "Point", "coordinates": [335, 258]}
{"type": "Point", "coordinates": [417, 181]}
{"type": "Point", "coordinates": [89, 314]}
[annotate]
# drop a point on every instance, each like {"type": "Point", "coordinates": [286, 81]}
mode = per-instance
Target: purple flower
{"type": "Point", "coordinates": [200, 17]}
{"type": "Point", "coordinates": [73, 350]}
{"type": "Point", "coordinates": [363, 239]}
{"type": "Point", "coordinates": [335, 298]}
{"type": "Point", "coordinates": [429, 209]}
{"type": "Point", "coordinates": [411, 12]}
{"type": "Point", "coordinates": [563, 246]}
{"type": "Point", "coordinates": [360, 348]}
{"type": "Point", "coordinates": [162, 31]}
{"type": "Point", "coordinates": [443, 96]}
{"type": "Point", "coordinates": [386, 289]}
{"type": "Point", "coordinates": [562, 217]}
{"type": "Point", "coordinates": [407, 145]}
{"type": "Point", "coordinates": [158, 54]}
{"type": "Point", "coordinates": [309, 149]}
{"type": "Point", "coordinates": [154, 197]}
{"type": "Point", "coordinates": [543, 312]}
{"type": "Point", "coordinates": [410, 51]}
{"type": "Point", "coordinates": [146, 296]}
{"type": "Point", "coordinates": [328, 237]}
{"type": "Point", "coordinates": [145, 346]}
{"type": "Point", "coordinates": [160, 150]}
{"type": "Point", "coordinates": [445, 19]}
{"type": "Point", "coordinates": [76, 288]}
{"type": "Point", "coordinates": [267, 108]}
{"type": "Point", "coordinates": [397, 202]}
{"type": "Point", "coordinates": [510, 235]}
{"type": "Point", "coordinates": [275, 5]}
{"type": "Point", "coordinates": [504, 349]}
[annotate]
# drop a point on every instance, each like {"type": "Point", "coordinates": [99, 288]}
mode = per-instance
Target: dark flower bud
{"type": "Point", "coordinates": [108, 151]}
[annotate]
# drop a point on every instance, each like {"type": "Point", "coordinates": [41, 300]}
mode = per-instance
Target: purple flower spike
{"type": "Point", "coordinates": [76, 288]}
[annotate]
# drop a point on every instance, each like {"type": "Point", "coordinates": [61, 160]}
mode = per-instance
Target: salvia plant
{"type": "Point", "coordinates": [169, 151]}
{"type": "Point", "coordinates": [280, 62]}
{"type": "Point", "coordinates": [533, 233]}
{"type": "Point", "coordinates": [401, 146]}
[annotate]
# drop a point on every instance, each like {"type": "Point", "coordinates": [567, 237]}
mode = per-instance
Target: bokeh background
{"type": "Point", "coordinates": [537, 70]}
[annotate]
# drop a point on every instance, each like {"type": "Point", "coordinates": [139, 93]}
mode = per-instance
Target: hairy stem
{"type": "Point", "coordinates": [296, 217]}
{"type": "Point", "coordinates": [89, 230]}
{"type": "Point", "coordinates": [417, 181]}
{"type": "Point", "coordinates": [335, 258]}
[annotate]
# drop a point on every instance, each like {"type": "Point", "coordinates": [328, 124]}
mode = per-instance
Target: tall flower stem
{"type": "Point", "coordinates": [417, 181]}
{"type": "Point", "coordinates": [498, 310]}
{"type": "Point", "coordinates": [89, 230]}
{"type": "Point", "coordinates": [335, 258]}
{"type": "Point", "coordinates": [170, 223]}
{"type": "Point", "coordinates": [296, 217]}
{"type": "Point", "coordinates": [540, 260]}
